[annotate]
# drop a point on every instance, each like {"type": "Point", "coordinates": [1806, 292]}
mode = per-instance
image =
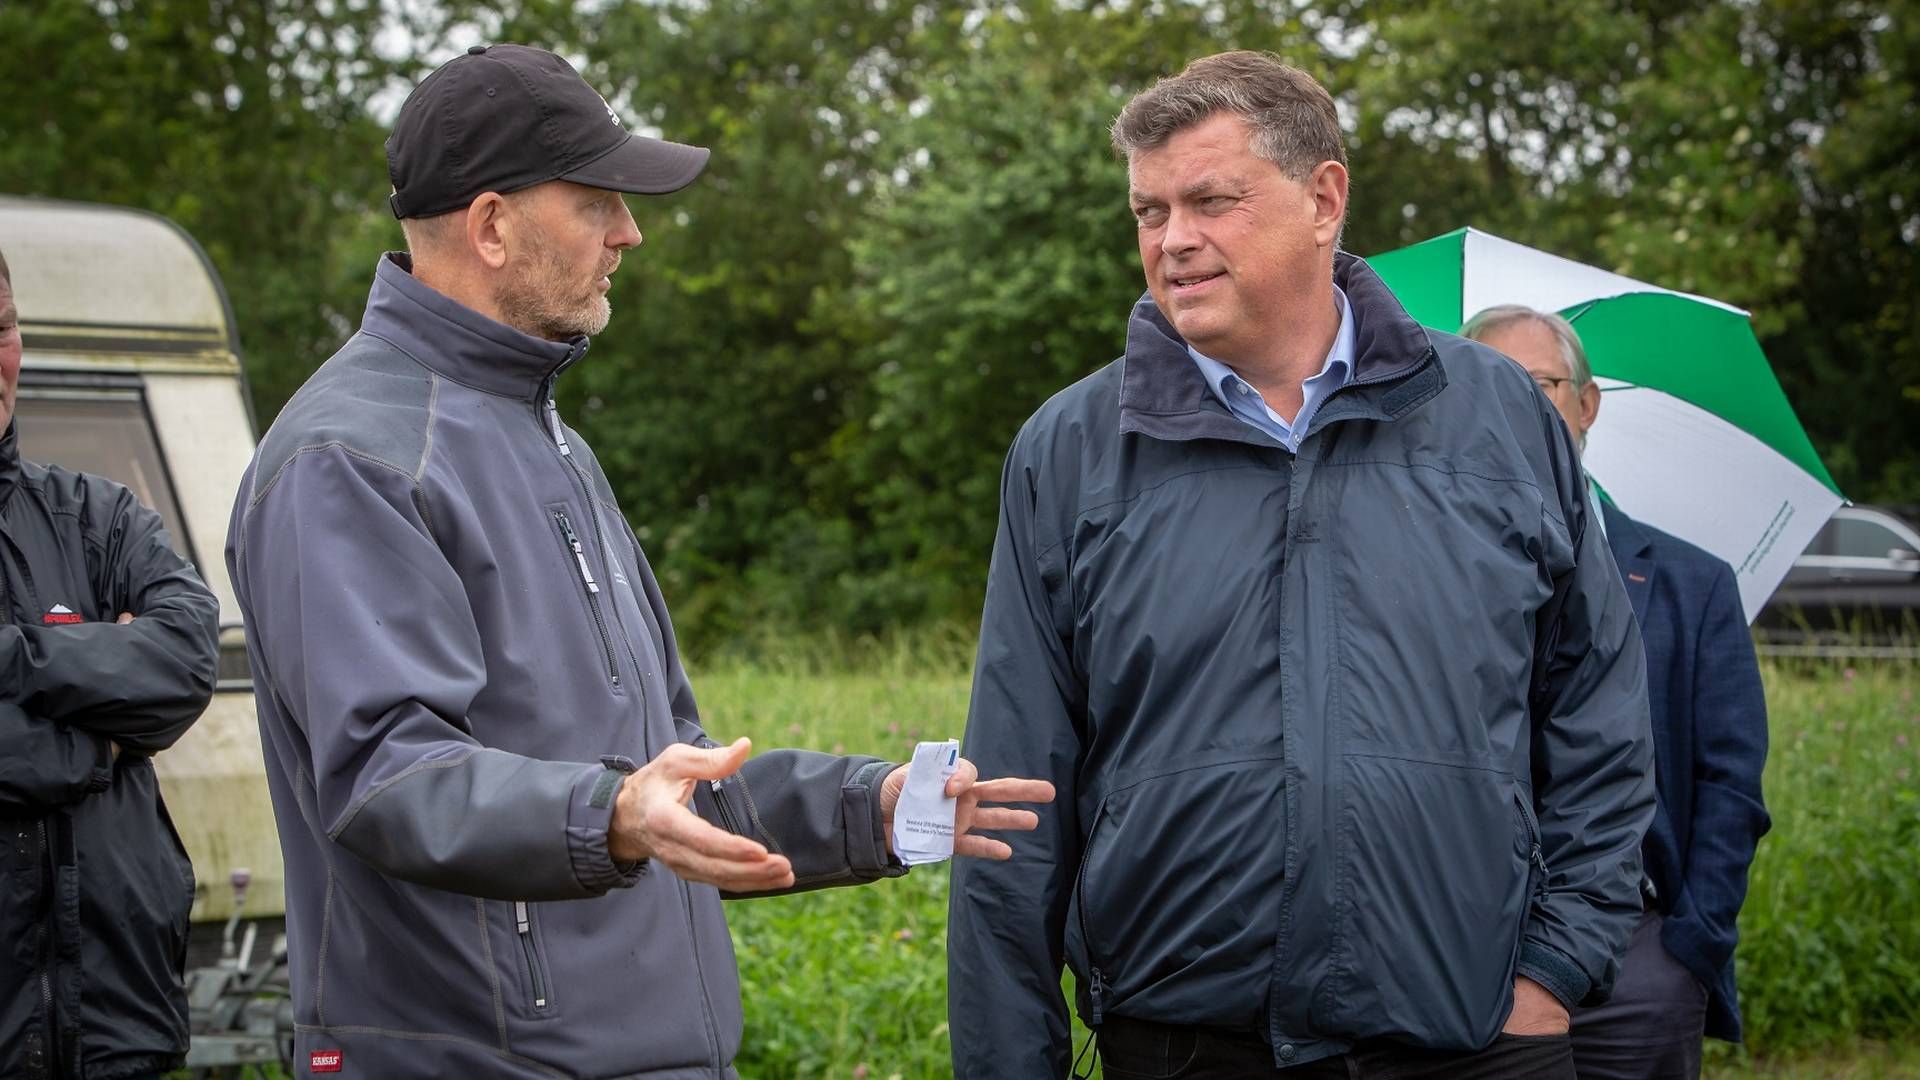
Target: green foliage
{"type": "Point", "coordinates": [1746, 151]}
{"type": "Point", "coordinates": [1830, 936]}
{"type": "Point", "coordinates": [913, 232]}
{"type": "Point", "coordinates": [995, 266]}
{"type": "Point", "coordinates": [1830, 939]}
{"type": "Point", "coordinates": [245, 122]}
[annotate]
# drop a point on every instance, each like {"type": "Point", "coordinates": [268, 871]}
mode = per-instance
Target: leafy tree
{"type": "Point", "coordinates": [1748, 151]}
{"type": "Point", "coordinates": [242, 120]}
{"type": "Point", "coordinates": [720, 377]}
{"type": "Point", "coordinates": [913, 231]}
{"type": "Point", "coordinates": [996, 266]}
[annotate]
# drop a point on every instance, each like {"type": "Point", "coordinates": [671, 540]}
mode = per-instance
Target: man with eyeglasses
{"type": "Point", "coordinates": [1676, 984]}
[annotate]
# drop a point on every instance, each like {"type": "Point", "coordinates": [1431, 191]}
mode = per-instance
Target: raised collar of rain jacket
{"type": "Point", "coordinates": [9, 463]}
{"type": "Point", "coordinates": [1162, 393]}
{"type": "Point", "coordinates": [458, 342]}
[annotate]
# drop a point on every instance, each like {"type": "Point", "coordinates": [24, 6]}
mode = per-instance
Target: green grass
{"type": "Point", "coordinates": [852, 982]}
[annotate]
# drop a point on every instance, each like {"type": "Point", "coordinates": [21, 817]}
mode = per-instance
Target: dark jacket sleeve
{"type": "Point", "coordinates": [822, 811]}
{"type": "Point", "coordinates": [367, 637]}
{"type": "Point", "coordinates": [1592, 759]}
{"type": "Point", "coordinates": [143, 684]}
{"type": "Point", "coordinates": [1006, 919]}
{"type": "Point", "coordinates": [47, 763]}
{"type": "Point", "coordinates": [1729, 753]}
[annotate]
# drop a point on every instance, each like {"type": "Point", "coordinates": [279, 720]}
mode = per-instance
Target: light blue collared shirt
{"type": "Point", "coordinates": [1244, 402]}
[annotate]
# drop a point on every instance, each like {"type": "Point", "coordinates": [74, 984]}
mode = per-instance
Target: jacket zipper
{"type": "Point", "coordinates": [572, 541]}
{"type": "Point", "coordinates": [1296, 500]}
{"type": "Point", "coordinates": [586, 492]}
{"type": "Point", "coordinates": [47, 942]}
{"type": "Point", "coordinates": [559, 433]}
{"type": "Point", "coordinates": [727, 817]}
{"type": "Point", "coordinates": [1097, 985]}
{"type": "Point", "coordinates": [1535, 857]}
{"type": "Point", "coordinates": [523, 926]}
{"type": "Point", "coordinates": [700, 971]}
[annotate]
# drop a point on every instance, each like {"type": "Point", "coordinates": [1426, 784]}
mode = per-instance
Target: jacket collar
{"type": "Point", "coordinates": [1163, 394]}
{"type": "Point", "coordinates": [458, 342]}
{"type": "Point", "coordinates": [1632, 548]}
{"type": "Point", "coordinates": [9, 463]}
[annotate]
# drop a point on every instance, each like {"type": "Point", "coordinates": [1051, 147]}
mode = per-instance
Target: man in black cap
{"type": "Point", "coordinates": [479, 739]}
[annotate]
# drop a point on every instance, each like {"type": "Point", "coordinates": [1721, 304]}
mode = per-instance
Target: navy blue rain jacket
{"type": "Point", "coordinates": [1709, 714]}
{"type": "Point", "coordinates": [1343, 740]}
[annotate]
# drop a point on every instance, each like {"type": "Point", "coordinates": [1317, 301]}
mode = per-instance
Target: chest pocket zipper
{"type": "Point", "coordinates": [592, 587]}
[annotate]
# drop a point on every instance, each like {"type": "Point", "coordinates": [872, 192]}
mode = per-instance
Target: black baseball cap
{"type": "Point", "coordinates": [506, 117]}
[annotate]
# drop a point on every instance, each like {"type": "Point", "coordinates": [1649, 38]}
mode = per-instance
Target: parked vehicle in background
{"type": "Point", "coordinates": [1857, 582]}
{"type": "Point", "coordinates": [131, 370]}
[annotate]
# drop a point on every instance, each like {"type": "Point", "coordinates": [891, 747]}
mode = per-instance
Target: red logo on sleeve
{"type": "Point", "coordinates": [62, 615]}
{"type": "Point", "coordinates": [324, 1061]}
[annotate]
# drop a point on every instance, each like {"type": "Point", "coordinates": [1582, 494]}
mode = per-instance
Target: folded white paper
{"type": "Point", "coordinates": [923, 820]}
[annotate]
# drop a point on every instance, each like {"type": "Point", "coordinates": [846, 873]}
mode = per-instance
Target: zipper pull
{"type": "Point", "coordinates": [559, 433]}
{"type": "Point", "coordinates": [579, 553]}
{"type": "Point", "coordinates": [521, 924]}
{"type": "Point", "coordinates": [1096, 995]}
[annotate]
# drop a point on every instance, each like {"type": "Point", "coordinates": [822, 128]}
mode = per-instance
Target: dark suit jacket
{"type": "Point", "coordinates": [1710, 743]}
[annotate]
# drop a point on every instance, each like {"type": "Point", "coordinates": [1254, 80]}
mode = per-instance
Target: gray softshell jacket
{"type": "Point", "coordinates": [459, 651]}
{"type": "Point", "coordinates": [1343, 740]}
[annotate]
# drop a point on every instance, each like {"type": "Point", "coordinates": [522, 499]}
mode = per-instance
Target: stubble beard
{"type": "Point", "coordinates": [540, 298]}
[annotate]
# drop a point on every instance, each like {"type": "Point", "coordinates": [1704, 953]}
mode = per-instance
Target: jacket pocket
{"type": "Point", "coordinates": [1433, 869]}
{"type": "Point", "coordinates": [728, 803]}
{"type": "Point", "coordinates": [533, 960]}
{"type": "Point", "coordinates": [1178, 888]}
{"type": "Point", "coordinates": [182, 912]}
{"type": "Point", "coordinates": [575, 553]}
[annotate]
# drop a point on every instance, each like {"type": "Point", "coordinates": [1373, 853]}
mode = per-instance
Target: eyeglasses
{"type": "Point", "coordinates": [1546, 383]}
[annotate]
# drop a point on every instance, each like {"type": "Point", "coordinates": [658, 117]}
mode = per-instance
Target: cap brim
{"type": "Point", "coordinates": [643, 166]}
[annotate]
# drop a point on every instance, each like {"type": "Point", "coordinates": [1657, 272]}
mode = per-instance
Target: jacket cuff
{"type": "Point", "coordinates": [1554, 970]}
{"type": "Point", "coordinates": [589, 817]}
{"type": "Point", "coordinates": [868, 852]}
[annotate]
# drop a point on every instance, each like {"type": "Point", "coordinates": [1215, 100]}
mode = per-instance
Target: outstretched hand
{"type": "Point", "coordinates": [652, 820]}
{"type": "Point", "coordinates": [969, 816]}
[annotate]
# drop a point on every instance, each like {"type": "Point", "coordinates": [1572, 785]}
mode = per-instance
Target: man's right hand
{"type": "Point", "coordinates": [1535, 1011]}
{"type": "Point", "coordinates": [651, 820]}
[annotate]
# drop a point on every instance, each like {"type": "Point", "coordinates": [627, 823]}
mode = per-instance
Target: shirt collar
{"type": "Point", "coordinates": [1338, 367]}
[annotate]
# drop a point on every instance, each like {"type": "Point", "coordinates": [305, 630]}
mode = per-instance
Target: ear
{"type": "Point", "coordinates": [1589, 406]}
{"type": "Point", "coordinates": [488, 227]}
{"type": "Point", "coordinates": [1328, 186]}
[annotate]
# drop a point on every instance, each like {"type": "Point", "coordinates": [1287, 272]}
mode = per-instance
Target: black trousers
{"type": "Point", "coordinates": [1140, 1050]}
{"type": "Point", "coordinates": [1653, 1026]}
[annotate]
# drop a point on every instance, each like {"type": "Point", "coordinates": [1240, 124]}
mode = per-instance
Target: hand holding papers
{"type": "Point", "coordinates": [923, 820]}
{"type": "Point", "coordinates": [953, 807]}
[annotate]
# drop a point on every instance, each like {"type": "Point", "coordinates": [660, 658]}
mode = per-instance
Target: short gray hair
{"type": "Point", "coordinates": [1292, 117]}
{"type": "Point", "coordinates": [1486, 323]}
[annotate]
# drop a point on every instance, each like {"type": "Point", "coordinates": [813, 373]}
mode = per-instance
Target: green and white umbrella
{"type": "Point", "coordinates": [1694, 437]}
